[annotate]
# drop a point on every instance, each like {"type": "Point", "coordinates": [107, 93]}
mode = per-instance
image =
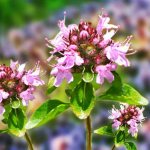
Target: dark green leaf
{"type": "Point", "coordinates": [68, 92]}
{"type": "Point", "coordinates": [16, 122]}
{"type": "Point", "coordinates": [3, 131]}
{"type": "Point", "coordinates": [105, 130]}
{"type": "Point", "coordinates": [46, 112]}
{"type": "Point", "coordinates": [130, 146]}
{"type": "Point", "coordinates": [123, 93]}
{"type": "Point", "coordinates": [82, 99]}
{"type": "Point", "coordinates": [50, 87]}
{"type": "Point", "coordinates": [120, 138]}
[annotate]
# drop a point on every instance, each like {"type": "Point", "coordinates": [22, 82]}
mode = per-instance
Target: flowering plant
{"type": "Point", "coordinates": [84, 56]}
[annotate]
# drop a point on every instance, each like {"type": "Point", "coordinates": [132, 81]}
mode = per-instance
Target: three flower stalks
{"type": "Point", "coordinates": [85, 56]}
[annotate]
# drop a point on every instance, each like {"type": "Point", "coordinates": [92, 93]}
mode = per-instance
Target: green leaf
{"type": "Point", "coordinates": [120, 138]}
{"type": "Point", "coordinates": [105, 130]}
{"type": "Point", "coordinates": [130, 146]}
{"type": "Point", "coordinates": [77, 79]}
{"type": "Point", "coordinates": [51, 87]}
{"type": "Point", "coordinates": [82, 99]}
{"type": "Point", "coordinates": [8, 109]}
{"type": "Point", "coordinates": [16, 122]}
{"type": "Point", "coordinates": [68, 92]}
{"type": "Point", "coordinates": [123, 93]}
{"type": "Point", "coordinates": [46, 112]}
{"type": "Point", "coordinates": [3, 131]}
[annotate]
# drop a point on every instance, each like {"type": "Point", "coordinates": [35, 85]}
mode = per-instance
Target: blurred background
{"type": "Point", "coordinates": [24, 24]}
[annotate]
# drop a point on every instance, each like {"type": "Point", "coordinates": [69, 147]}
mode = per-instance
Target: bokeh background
{"type": "Point", "coordinates": [24, 24]}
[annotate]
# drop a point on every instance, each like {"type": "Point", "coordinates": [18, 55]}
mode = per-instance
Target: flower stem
{"type": "Point", "coordinates": [28, 139]}
{"type": "Point", "coordinates": [88, 134]}
{"type": "Point", "coordinates": [113, 148]}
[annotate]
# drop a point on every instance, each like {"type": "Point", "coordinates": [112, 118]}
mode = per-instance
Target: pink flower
{"type": "Point", "coordinates": [103, 23]}
{"type": "Point", "coordinates": [116, 124]}
{"type": "Point", "coordinates": [2, 110]}
{"type": "Point", "coordinates": [32, 78]}
{"type": "Point", "coordinates": [115, 114]}
{"type": "Point", "coordinates": [61, 73]}
{"type": "Point", "coordinates": [17, 69]}
{"type": "Point", "coordinates": [88, 47]}
{"type": "Point", "coordinates": [3, 95]}
{"type": "Point", "coordinates": [105, 72]}
{"type": "Point", "coordinates": [127, 116]}
{"type": "Point", "coordinates": [117, 53]}
{"type": "Point", "coordinates": [17, 83]}
{"type": "Point", "coordinates": [26, 96]}
{"type": "Point", "coordinates": [70, 59]}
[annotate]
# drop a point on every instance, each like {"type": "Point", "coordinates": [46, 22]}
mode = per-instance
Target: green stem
{"type": "Point", "coordinates": [88, 134]}
{"type": "Point", "coordinates": [113, 148]}
{"type": "Point", "coordinates": [28, 139]}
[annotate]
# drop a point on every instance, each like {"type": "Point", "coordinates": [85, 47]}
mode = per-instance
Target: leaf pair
{"type": "Point", "coordinates": [119, 137]}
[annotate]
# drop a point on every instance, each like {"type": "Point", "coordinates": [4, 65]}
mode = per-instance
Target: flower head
{"type": "Point", "coordinates": [127, 116]}
{"type": "Point", "coordinates": [17, 83]}
{"type": "Point", "coordinates": [77, 47]}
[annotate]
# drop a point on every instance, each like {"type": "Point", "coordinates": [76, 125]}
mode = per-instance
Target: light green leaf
{"type": "Point", "coordinates": [88, 75]}
{"type": "Point", "coordinates": [82, 99]}
{"type": "Point", "coordinates": [105, 130]}
{"type": "Point", "coordinates": [123, 93]}
{"type": "Point", "coordinates": [51, 87]}
{"type": "Point", "coordinates": [46, 112]}
{"type": "Point", "coordinates": [130, 146]}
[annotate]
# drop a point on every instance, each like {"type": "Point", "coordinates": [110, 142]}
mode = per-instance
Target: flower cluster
{"type": "Point", "coordinates": [77, 47]}
{"type": "Point", "coordinates": [16, 83]}
{"type": "Point", "coordinates": [127, 116]}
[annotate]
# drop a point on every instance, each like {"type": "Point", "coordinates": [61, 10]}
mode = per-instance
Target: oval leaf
{"type": "Point", "coordinates": [120, 138]}
{"type": "Point", "coordinates": [123, 93]}
{"type": "Point", "coordinates": [105, 130]}
{"type": "Point", "coordinates": [16, 122]}
{"type": "Point", "coordinates": [130, 146]}
{"type": "Point", "coordinates": [82, 100]}
{"type": "Point", "coordinates": [46, 112]}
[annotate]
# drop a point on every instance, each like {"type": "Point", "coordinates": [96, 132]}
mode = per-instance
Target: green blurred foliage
{"type": "Point", "coordinates": [16, 13]}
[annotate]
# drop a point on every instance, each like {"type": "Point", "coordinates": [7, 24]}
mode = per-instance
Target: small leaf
{"type": "Point", "coordinates": [120, 138]}
{"type": "Point", "coordinates": [123, 93]}
{"type": "Point", "coordinates": [82, 99]}
{"type": "Point", "coordinates": [130, 146]}
{"type": "Point", "coordinates": [51, 87]}
{"type": "Point", "coordinates": [16, 122]}
{"type": "Point", "coordinates": [105, 130]}
{"type": "Point", "coordinates": [46, 112]}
